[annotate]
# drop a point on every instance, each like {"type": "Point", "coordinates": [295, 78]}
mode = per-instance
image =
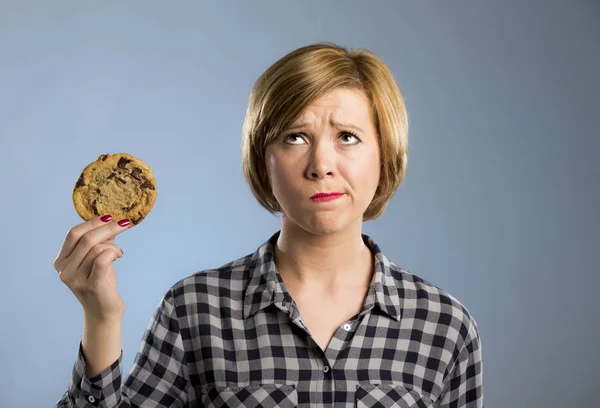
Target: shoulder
{"type": "Point", "coordinates": [221, 281]}
{"type": "Point", "coordinates": [421, 299]}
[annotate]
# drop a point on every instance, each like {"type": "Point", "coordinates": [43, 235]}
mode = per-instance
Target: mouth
{"type": "Point", "coordinates": [325, 197]}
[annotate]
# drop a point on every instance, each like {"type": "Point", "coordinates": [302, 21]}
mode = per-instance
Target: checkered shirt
{"type": "Point", "coordinates": [233, 337]}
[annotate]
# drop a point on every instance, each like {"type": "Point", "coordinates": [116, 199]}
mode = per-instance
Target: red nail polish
{"type": "Point", "coordinates": [124, 223]}
{"type": "Point", "coordinates": [106, 218]}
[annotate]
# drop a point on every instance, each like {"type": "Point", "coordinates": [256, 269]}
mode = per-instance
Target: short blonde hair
{"type": "Point", "coordinates": [284, 90]}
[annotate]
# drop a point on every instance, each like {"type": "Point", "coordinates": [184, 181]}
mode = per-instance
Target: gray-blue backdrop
{"type": "Point", "coordinates": [499, 206]}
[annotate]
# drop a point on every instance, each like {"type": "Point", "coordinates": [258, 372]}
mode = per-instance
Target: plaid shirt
{"type": "Point", "coordinates": [233, 337]}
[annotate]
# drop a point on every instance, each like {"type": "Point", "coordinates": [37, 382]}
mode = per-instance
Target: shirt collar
{"type": "Point", "coordinates": [266, 287]}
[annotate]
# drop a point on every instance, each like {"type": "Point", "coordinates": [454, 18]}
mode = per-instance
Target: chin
{"type": "Point", "coordinates": [321, 222]}
{"type": "Point", "coordinates": [324, 224]}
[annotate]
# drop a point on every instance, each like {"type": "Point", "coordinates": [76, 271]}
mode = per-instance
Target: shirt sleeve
{"type": "Point", "coordinates": [464, 386]}
{"type": "Point", "coordinates": [158, 377]}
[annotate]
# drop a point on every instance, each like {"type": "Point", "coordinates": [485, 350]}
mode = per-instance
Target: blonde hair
{"type": "Point", "coordinates": [284, 90]}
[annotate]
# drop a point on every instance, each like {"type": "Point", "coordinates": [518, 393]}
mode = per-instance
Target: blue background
{"type": "Point", "coordinates": [499, 206]}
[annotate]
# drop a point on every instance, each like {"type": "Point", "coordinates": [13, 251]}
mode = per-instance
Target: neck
{"type": "Point", "coordinates": [335, 264]}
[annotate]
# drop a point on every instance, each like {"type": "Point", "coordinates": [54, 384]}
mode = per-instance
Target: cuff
{"type": "Point", "coordinates": [102, 390]}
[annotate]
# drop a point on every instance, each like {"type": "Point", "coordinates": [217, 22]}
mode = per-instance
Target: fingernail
{"type": "Point", "coordinates": [106, 218]}
{"type": "Point", "coordinates": [124, 223]}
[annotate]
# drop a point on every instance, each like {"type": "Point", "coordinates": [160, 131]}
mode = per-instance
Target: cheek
{"type": "Point", "coordinates": [277, 175]}
{"type": "Point", "coordinates": [269, 165]}
{"type": "Point", "coordinates": [365, 174]}
{"type": "Point", "coordinates": [375, 168]}
{"type": "Point", "coordinates": [273, 169]}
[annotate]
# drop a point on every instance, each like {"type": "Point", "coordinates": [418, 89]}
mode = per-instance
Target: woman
{"type": "Point", "coordinates": [317, 316]}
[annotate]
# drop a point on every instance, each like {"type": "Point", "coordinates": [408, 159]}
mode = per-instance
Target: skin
{"type": "Point", "coordinates": [320, 249]}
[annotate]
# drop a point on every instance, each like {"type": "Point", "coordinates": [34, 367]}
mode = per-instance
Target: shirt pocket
{"type": "Point", "coordinates": [252, 396]}
{"type": "Point", "coordinates": [389, 396]}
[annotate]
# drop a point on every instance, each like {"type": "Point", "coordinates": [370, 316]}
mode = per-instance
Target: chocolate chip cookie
{"type": "Point", "coordinates": [119, 184]}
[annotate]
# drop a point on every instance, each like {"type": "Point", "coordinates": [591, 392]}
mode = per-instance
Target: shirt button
{"type": "Point", "coordinates": [326, 369]}
{"type": "Point", "coordinates": [91, 399]}
{"type": "Point", "coordinates": [347, 326]}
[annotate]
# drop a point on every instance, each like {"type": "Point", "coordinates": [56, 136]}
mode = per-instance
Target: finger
{"type": "Point", "coordinates": [96, 251]}
{"type": "Point", "coordinates": [101, 264]}
{"type": "Point", "coordinates": [70, 272]}
{"type": "Point", "coordinates": [92, 238]}
{"type": "Point", "coordinates": [74, 235]}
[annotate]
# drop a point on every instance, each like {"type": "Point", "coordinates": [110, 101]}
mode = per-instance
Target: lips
{"type": "Point", "coordinates": [325, 197]}
{"type": "Point", "coordinates": [320, 195]}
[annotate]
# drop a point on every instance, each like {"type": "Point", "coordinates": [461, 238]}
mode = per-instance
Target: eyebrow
{"type": "Point", "coordinates": [333, 123]}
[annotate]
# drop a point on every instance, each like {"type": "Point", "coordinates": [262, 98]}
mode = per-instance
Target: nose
{"type": "Point", "coordinates": [322, 161]}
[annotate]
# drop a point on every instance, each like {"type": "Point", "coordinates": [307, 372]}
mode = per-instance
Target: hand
{"type": "Point", "coordinates": [85, 265]}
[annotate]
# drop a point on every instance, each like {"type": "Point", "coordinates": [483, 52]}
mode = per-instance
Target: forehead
{"type": "Point", "coordinates": [339, 105]}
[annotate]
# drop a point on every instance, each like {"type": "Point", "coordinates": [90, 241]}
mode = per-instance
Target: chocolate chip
{"type": "Point", "coordinates": [122, 162]}
{"type": "Point", "coordinates": [103, 157]}
{"type": "Point", "coordinates": [80, 182]}
{"type": "Point", "coordinates": [127, 209]}
{"type": "Point", "coordinates": [111, 176]}
{"type": "Point", "coordinates": [137, 220]}
{"type": "Point", "coordinates": [121, 180]}
{"type": "Point", "coordinates": [99, 192]}
{"type": "Point", "coordinates": [94, 208]}
{"type": "Point", "coordinates": [147, 184]}
{"type": "Point", "coordinates": [135, 173]}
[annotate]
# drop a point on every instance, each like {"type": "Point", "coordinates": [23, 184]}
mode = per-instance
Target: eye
{"type": "Point", "coordinates": [352, 135]}
{"type": "Point", "coordinates": [293, 136]}
{"type": "Point", "coordinates": [299, 137]}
